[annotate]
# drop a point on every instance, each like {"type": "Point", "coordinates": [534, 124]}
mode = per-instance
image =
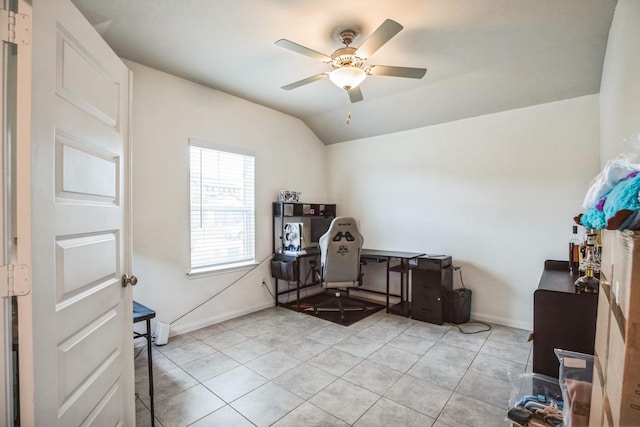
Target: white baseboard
{"type": "Point", "coordinates": [183, 329]}
{"type": "Point", "coordinates": [189, 327]}
{"type": "Point", "coordinates": [519, 324]}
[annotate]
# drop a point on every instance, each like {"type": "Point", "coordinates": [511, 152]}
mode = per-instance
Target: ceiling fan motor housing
{"type": "Point", "coordinates": [346, 57]}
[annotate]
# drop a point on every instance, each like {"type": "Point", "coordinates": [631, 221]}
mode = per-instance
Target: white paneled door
{"type": "Point", "coordinates": [75, 327]}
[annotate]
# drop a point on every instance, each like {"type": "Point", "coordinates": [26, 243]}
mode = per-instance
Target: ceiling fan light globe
{"type": "Point", "coordinates": [347, 77]}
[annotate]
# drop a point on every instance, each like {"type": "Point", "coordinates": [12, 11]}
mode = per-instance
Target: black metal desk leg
{"type": "Point", "coordinates": [388, 284]}
{"type": "Point", "coordinates": [150, 363]}
{"type": "Point", "coordinates": [409, 289]}
{"type": "Point", "coordinates": [404, 282]}
{"type": "Point", "coordinates": [142, 313]}
{"type": "Point", "coordinates": [298, 294]}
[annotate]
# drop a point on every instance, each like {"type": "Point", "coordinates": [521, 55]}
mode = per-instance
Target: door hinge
{"type": "Point", "coordinates": [15, 280]}
{"type": "Point", "coordinates": [15, 27]}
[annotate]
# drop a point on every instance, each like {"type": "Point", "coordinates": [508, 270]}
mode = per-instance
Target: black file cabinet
{"type": "Point", "coordinates": [431, 278]}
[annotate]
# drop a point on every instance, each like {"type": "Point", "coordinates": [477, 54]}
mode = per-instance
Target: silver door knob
{"type": "Point", "coordinates": [128, 280]}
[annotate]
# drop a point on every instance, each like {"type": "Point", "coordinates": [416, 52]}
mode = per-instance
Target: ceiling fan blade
{"type": "Point", "coordinates": [387, 70]}
{"type": "Point", "coordinates": [355, 94]}
{"type": "Point", "coordinates": [295, 47]}
{"type": "Point", "coordinates": [380, 36]}
{"type": "Point", "coordinates": [305, 81]}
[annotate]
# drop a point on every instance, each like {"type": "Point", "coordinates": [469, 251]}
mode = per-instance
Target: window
{"type": "Point", "coordinates": [222, 207]}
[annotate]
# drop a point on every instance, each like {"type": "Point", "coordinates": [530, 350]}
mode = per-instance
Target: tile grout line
{"type": "Point", "coordinates": [394, 326]}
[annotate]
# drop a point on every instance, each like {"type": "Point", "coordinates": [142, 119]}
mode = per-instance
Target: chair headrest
{"type": "Point", "coordinates": [343, 230]}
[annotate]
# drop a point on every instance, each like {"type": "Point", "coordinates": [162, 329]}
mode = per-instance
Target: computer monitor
{"type": "Point", "coordinates": [318, 226]}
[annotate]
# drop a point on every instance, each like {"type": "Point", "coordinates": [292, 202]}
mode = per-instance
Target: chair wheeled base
{"type": "Point", "coordinates": [329, 305]}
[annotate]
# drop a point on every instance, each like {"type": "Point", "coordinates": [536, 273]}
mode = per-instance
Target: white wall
{"type": "Point", "coordinates": [167, 111]}
{"type": "Point", "coordinates": [497, 192]}
{"type": "Point", "coordinates": [620, 87]}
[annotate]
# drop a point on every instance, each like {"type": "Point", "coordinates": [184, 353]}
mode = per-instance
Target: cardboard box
{"type": "Point", "coordinates": [604, 315]}
{"type": "Point", "coordinates": [617, 346]}
{"type": "Point", "coordinates": [626, 283]}
{"type": "Point", "coordinates": [601, 347]}
{"type": "Point", "coordinates": [597, 400]}
{"type": "Point", "coordinates": [606, 261]}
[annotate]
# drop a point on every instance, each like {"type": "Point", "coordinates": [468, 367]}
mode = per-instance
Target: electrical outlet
{"type": "Point", "coordinates": [263, 281]}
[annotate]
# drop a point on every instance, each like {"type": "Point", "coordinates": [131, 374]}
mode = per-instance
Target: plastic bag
{"type": "Point", "coordinates": [535, 397]}
{"type": "Point", "coordinates": [613, 172]}
{"type": "Point", "coordinates": [575, 378]}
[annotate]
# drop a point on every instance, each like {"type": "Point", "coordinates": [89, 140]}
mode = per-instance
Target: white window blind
{"type": "Point", "coordinates": [222, 208]}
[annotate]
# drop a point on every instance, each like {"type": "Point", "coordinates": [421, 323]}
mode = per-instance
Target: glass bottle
{"type": "Point", "coordinates": [588, 283]}
{"type": "Point", "coordinates": [574, 250]}
{"type": "Point", "coordinates": [588, 253]}
{"type": "Point", "coordinates": [583, 250]}
{"type": "Point", "coordinates": [597, 254]}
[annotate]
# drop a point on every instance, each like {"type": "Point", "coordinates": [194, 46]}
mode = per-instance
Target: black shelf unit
{"type": "Point", "coordinates": [282, 210]}
{"type": "Point", "coordinates": [287, 267]}
{"type": "Point", "coordinates": [289, 209]}
{"type": "Point", "coordinates": [402, 308]}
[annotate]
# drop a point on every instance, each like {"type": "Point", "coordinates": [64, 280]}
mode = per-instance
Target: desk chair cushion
{"type": "Point", "coordinates": [340, 249]}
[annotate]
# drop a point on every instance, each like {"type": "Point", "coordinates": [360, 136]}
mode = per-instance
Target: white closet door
{"type": "Point", "coordinates": [76, 325]}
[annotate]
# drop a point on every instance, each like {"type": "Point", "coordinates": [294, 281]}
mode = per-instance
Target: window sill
{"type": "Point", "coordinates": [215, 271]}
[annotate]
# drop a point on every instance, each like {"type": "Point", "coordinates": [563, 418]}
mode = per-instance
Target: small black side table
{"type": "Point", "coordinates": [140, 314]}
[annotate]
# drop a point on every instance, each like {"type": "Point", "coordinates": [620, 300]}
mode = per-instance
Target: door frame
{"type": "Point", "coordinates": [16, 220]}
{"type": "Point", "coordinates": [7, 368]}
{"type": "Point", "coordinates": [23, 217]}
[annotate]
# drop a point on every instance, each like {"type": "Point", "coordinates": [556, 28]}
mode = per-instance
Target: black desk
{"type": "Point", "coordinates": [403, 268]}
{"type": "Point", "coordinates": [290, 272]}
{"type": "Point", "coordinates": [376, 255]}
{"type": "Point", "coordinates": [145, 314]}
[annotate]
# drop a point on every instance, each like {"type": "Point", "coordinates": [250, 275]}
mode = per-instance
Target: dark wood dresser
{"type": "Point", "coordinates": [562, 318]}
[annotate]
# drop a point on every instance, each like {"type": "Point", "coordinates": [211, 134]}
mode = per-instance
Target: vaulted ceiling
{"type": "Point", "coordinates": [482, 56]}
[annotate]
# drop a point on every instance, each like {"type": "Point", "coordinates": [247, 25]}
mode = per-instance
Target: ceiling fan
{"type": "Point", "coordinates": [349, 68]}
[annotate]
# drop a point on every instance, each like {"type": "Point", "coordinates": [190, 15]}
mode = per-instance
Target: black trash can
{"type": "Point", "coordinates": [457, 303]}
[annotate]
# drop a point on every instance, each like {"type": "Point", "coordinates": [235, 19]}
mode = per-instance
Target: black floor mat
{"type": "Point", "coordinates": [350, 317]}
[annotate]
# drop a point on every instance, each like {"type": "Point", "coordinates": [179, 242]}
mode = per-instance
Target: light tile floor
{"type": "Point", "coordinates": [282, 368]}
